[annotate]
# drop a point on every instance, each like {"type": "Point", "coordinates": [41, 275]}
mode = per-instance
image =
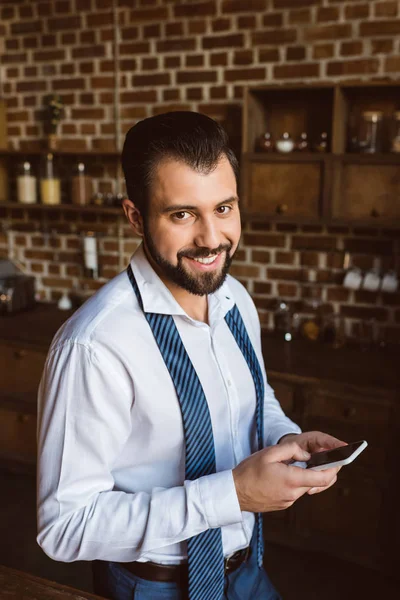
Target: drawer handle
{"type": "Point", "coordinates": [349, 412]}
{"type": "Point", "coordinates": [23, 418]}
{"type": "Point", "coordinates": [20, 353]}
{"type": "Point", "coordinates": [281, 209]}
{"type": "Point", "coordinates": [375, 213]}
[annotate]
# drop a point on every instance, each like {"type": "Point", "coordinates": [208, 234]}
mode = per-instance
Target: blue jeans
{"type": "Point", "coordinates": [248, 582]}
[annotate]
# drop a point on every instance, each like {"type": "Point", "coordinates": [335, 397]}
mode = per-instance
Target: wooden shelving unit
{"type": "Point", "coordinates": [328, 187]}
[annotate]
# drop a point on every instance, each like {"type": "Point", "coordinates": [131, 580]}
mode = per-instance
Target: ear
{"type": "Point", "coordinates": [133, 215]}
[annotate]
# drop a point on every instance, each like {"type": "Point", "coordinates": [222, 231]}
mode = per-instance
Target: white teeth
{"type": "Point", "coordinates": [206, 261]}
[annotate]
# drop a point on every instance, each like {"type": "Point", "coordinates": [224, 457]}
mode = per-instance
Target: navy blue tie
{"type": "Point", "coordinates": [205, 552]}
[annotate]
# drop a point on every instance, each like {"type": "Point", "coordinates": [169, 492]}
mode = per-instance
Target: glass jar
{"type": "Point", "coordinates": [50, 187]}
{"type": "Point", "coordinates": [26, 184]}
{"type": "Point", "coordinates": [81, 186]}
{"type": "Point", "coordinates": [322, 143]}
{"type": "Point", "coordinates": [285, 144]}
{"type": "Point", "coordinates": [302, 144]}
{"type": "Point", "coordinates": [265, 143]}
{"type": "Point", "coordinates": [395, 146]}
{"type": "Point", "coordinates": [370, 135]}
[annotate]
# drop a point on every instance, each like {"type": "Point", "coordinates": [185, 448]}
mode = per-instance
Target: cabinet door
{"type": "Point", "coordinates": [351, 416]}
{"type": "Point", "coordinates": [368, 191]}
{"type": "Point", "coordinates": [17, 436]}
{"type": "Point", "coordinates": [21, 368]}
{"type": "Point", "coordinates": [344, 520]}
{"type": "Point", "coordinates": [284, 189]}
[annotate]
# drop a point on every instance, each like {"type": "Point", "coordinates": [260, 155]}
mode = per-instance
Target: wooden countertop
{"type": "Point", "coordinates": [298, 358]}
{"type": "Point", "coordinates": [17, 585]}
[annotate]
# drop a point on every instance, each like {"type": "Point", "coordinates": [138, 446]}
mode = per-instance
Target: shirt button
{"type": "Point", "coordinates": [229, 382]}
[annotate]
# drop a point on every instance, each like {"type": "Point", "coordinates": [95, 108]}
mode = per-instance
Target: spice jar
{"type": "Point", "coordinates": [285, 144]}
{"type": "Point", "coordinates": [26, 184]}
{"type": "Point", "coordinates": [50, 188]}
{"type": "Point", "coordinates": [302, 144]}
{"type": "Point", "coordinates": [370, 136]}
{"type": "Point", "coordinates": [265, 143]}
{"type": "Point", "coordinates": [395, 146]}
{"type": "Point", "coordinates": [81, 186]}
{"type": "Point", "coordinates": [322, 143]}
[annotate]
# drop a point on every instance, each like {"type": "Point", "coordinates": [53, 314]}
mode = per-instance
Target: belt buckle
{"type": "Point", "coordinates": [228, 558]}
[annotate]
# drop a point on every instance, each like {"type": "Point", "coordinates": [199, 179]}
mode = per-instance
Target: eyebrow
{"type": "Point", "coordinates": [182, 207]}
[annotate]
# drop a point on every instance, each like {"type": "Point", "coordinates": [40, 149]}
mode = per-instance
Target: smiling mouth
{"type": "Point", "coordinates": [207, 260]}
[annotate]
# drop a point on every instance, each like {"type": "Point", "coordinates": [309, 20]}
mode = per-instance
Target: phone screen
{"type": "Point", "coordinates": [328, 456]}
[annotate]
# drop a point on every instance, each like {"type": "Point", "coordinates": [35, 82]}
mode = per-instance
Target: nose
{"type": "Point", "coordinates": [207, 234]}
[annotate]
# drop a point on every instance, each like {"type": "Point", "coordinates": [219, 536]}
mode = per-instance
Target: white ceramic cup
{"type": "Point", "coordinates": [371, 281]}
{"type": "Point", "coordinates": [390, 282]}
{"type": "Point", "coordinates": [353, 279]}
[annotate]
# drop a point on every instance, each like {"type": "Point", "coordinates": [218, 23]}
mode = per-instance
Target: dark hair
{"type": "Point", "coordinates": [189, 137]}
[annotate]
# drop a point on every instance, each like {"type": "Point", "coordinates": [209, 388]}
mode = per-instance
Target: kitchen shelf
{"type": "Point", "coordinates": [101, 210]}
{"type": "Point", "coordinates": [40, 152]}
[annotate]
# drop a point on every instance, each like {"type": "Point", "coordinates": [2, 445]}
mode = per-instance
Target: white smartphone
{"type": "Point", "coordinates": [336, 457]}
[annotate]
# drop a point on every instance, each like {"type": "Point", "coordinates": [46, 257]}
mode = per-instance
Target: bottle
{"type": "Point", "coordinates": [322, 144]}
{"type": "Point", "coordinates": [302, 144]}
{"type": "Point", "coordinates": [265, 143]}
{"type": "Point", "coordinates": [370, 138]}
{"type": "Point", "coordinates": [395, 146]}
{"type": "Point", "coordinates": [50, 188]}
{"type": "Point", "coordinates": [285, 144]}
{"type": "Point", "coordinates": [81, 186]}
{"type": "Point", "coordinates": [26, 184]}
{"type": "Point", "coordinates": [282, 321]}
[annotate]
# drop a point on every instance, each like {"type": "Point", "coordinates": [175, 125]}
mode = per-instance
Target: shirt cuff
{"type": "Point", "coordinates": [220, 501]}
{"type": "Point", "coordinates": [279, 432]}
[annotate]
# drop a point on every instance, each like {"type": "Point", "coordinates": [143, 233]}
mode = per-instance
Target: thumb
{"type": "Point", "coordinates": [287, 452]}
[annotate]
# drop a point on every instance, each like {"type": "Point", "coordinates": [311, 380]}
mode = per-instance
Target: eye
{"type": "Point", "coordinates": [182, 215]}
{"type": "Point", "coordinates": [224, 210]}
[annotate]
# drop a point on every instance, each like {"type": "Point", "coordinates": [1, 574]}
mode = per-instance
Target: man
{"type": "Point", "coordinates": [160, 441]}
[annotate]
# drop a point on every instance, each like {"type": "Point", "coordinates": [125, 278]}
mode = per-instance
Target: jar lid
{"type": "Point", "coordinates": [373, 115]}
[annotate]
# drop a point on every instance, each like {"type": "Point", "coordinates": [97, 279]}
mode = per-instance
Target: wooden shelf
{"type": "Point", "coordinates": [387, 158]}
{"type": "Point", "coordinates": [37, 152]}
{"type": "Point", "coordinates": [101, 210]}
{"type": "Point", "coordinates": [293, 157]}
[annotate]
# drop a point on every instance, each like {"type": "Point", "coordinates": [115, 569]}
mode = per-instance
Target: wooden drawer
{"type": "Point", "coordinates": [17, 435]}
{"type": "Point", "coordinates": [349, 513]}
{"type": "Point", "coordinates": [21, 368]}
{"type": "Point", "coordinates": [287, 189]}
{"type": "Point", "coordinates": [348, 408]}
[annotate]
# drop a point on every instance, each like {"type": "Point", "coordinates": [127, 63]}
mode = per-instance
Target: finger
{"type": "Point", "coordinates": [312, 479]}
{"type": "Point", "coordinates": [286, 452]}
{"type": "Point", "coordinates": [318, 490]}
{"type": "Point", "coordinates": [323, 441]}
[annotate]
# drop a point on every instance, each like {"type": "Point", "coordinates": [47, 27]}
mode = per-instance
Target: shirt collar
{"type": "Point", "coordinates": [157, 298]}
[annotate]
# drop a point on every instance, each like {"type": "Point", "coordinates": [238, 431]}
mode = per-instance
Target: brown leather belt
{"type": "Point", "coordinates": [179, 573]}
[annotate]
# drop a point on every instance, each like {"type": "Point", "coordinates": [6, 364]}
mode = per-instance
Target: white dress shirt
{"type": "Point", "coordinates": [111, 459]}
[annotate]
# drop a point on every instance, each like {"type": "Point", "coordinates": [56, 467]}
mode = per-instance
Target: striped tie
{"type": "Point", "coordinates": [205, 552]}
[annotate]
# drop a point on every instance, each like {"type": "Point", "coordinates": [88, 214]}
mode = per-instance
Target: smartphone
{"type": "Point", "coordinates": [336, 457]}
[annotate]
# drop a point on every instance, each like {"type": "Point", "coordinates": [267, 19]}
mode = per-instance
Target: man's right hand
{"type": "Point", "coordinates": [264, 483]}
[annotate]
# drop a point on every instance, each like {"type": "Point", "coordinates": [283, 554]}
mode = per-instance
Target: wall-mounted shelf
{"type": "Point", "coordinates": [336, 185]}
{"type": "Point", "coordinates": [90, 208]}
{"type": "Point", "coordinates": [37, 152]}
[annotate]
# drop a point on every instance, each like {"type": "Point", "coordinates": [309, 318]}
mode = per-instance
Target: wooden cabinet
{"type": "Point", "coordinates": [354, 519]}
{"type": "Point", "coordinates": [21, 367]}
{"type": "Point", "coordinates": [338, 185]}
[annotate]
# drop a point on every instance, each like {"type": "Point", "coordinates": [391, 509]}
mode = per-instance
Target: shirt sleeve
{"type": "Point", "coordinates": [80, 514]}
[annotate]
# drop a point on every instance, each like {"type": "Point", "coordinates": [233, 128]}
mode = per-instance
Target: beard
{"type": "Point", "coordinates": [200, 284]}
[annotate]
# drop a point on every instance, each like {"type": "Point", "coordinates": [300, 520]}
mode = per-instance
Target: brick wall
{"type": "Point", "coordinates": [113, 66]}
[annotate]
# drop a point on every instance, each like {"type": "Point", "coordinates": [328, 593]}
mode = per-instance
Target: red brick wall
{"type": "Point", "coordinates": [193, 55]}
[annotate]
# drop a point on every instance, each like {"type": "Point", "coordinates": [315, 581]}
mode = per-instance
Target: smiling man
{"type": "Point", "coordinates": [160, 442]}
